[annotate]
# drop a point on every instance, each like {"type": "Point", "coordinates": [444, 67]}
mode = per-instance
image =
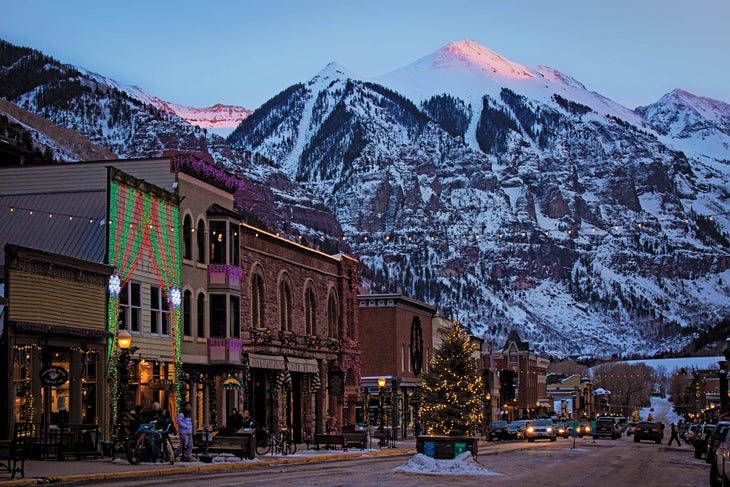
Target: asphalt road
{"type": "Point", "coordinates": [601, 463]}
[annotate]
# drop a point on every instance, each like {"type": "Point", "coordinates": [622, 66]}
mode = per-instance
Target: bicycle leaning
{"type": "Point", "coordinates": [280, 442]}
{"type": "Point", "coordinates": [149, 442]}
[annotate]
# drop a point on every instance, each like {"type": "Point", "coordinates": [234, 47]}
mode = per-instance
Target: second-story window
{"type": "Point", "coordinates": [284, 306]}
{"type": "Point", "coordinates": [217, 315]}
{"type": "Point", "coordinates": [257, 301]}
{"type": "Point", "coordinates": [218, 242]}
{"type": "Point", "coordinates": [130, 307]}
{"type": "Point", "coordinates": [201, 315]}
{"type": "Point", "coordinates": [159, 312]}
{"type": "Point", "coordinates": [187, 249]}
{"type": "Point", "coordinates": [310, 311]}
{"type": "Point", "coordinates": [235, 316]}
{"type": "Point", "coordinates": [187, 313]}
{"type": "Point", "coordinates": [332, 317]}
{"type": "Point", "coordinates": [200, 238]}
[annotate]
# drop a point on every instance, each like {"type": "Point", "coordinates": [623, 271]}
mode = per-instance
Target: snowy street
{"type": "Point", "coordinates": [601, 463]}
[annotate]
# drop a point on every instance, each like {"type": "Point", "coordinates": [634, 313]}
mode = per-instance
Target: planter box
{"type": "Point", "coordinates": [446, 447]}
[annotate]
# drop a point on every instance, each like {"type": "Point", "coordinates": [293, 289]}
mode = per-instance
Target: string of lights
{"type": "Point", "coordinates": [528, 229]}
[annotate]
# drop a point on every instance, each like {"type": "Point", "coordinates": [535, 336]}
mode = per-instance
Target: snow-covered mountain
{"type": "Point", "coordinates": [132, 123]}
{"type": "Point", "coordinates": [220, 118]}
{"type": "Point", "coordinates": [508, 196]}
{"type": "Point", "coordinates": [511, 197]}
{"type": "Point", "coordinates": [698, 126]}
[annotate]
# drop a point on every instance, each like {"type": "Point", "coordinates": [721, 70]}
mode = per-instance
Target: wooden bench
{"type": "Point", "coordinates": [330, 441]}
{"type": "Point", "coordinates": [12, 458]}
{"type": "Point", "coordinates": [237, 445]}
{"type": "Point", "coordinates": [356, 439]}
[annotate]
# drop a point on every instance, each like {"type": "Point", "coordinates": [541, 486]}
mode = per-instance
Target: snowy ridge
{"type": "Point", "coordinates": [509, 196]}
{"type": "Point", "coordinates": [696, 125]}
{"type": "Point", "coordinates": [218, 116]}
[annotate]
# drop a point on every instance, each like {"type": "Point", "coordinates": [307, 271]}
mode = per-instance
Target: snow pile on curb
{"type": "Point", "coordinates": [464, 464]}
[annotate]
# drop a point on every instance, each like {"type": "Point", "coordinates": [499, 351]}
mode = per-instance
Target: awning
{"type": "Point", "coordinates": [305, 365]}
{"type": "Point", "coordinates": [256, 361]}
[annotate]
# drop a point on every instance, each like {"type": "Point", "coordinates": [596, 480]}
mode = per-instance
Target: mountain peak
{"type": "Point", "coordinates": [335, 70]}
{"type": "Point", "coordinates": [471, 53]}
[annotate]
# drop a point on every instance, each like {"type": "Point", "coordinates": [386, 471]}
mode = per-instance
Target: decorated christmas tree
{"type": "Point", "coordinates": [452, 387]}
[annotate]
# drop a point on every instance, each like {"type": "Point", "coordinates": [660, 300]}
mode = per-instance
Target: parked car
{"type": "Point", "coordinates": [563, 430]}
{"type": "Point", "coordinates": [715, 438]}
{"type": "Point", "coordinates": [514, 431]}
{"type": "Point", "coordinates": [719, 473]}
{"type": "Point", "coordinates": [606, 428]}
{"type": "Point", "coordinates": [701, 438]}
{"type": "Point", "coordinates": [630, 428]}
{"type": "Point", "coordinates": [689, 435]}
{"type": "Point", "coordinates": [540, 429]}
{"type": "Point", "coordinates": [520, 424]}
{"type": "Point", "coordinates": [499, 430]}
{"type": "Point", "coordinates": [648, 430]}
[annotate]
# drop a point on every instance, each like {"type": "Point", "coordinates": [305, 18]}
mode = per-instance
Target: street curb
{"type": "Point", "coordinates": [179, 470]}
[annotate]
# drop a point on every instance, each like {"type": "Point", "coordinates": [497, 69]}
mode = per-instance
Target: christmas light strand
{"type": "Point", "coordinates": [414, 237]}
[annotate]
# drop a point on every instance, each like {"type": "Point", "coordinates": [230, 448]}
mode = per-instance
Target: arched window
{"type": "Point", "coordinates": [284, 306]}
{"type": "Point", "coordinates": [187, 238]}
{"type": "Point", "coordinates": [201, 315]}
{"type": "Point", "coordinates": [310, 311]}
{"type": "Point", "coordinates": [187, 313]}
{"type": "Point", "coordinates": [201, 241]}
{"type": "Point", "coordinates": [332, 328]}
{"type": "Point", "coordinates": [257, 301]}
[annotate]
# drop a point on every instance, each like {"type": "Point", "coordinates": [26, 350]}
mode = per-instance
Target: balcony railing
{"type": "Point", "coordinates": [228, 276]}
{"type": "Point", "coordinates": [225, 350]}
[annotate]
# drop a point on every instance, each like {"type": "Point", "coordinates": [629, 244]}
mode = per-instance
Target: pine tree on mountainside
{"type": "Point", "coordinates": [452, 387]}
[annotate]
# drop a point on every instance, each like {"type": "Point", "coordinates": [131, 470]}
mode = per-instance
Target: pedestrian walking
{"type": "Point", "coordinates": [674, 435]}
{"type": "Point", "coordinates": [185, 428]}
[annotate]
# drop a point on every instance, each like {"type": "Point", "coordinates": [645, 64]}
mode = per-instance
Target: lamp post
{"type": "Point", "coordinates": [124, 342]}
{"type": "Point", "coordinates": [551, 406]}
{"type": "Point", "coordinates": [381, 412]}
{"type": "Point", "coordinates": [574, 412]}
{"type": "Point", "coordinates": [395, 416]}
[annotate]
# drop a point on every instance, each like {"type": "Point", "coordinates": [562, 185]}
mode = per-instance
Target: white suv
{"type": "Point", "coordinates": [541, 428]}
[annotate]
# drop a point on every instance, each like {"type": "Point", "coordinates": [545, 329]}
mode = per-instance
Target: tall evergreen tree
{"type": "Point", "coordinates": [452, 387]}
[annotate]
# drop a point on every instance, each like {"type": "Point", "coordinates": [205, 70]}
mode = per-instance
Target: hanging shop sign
{"type": "Point", "coordinates": [53, 375]}
{"type": "Point", "coordinates": [232, 383]}
{"type": "Point", "coordinates": [161, 384]}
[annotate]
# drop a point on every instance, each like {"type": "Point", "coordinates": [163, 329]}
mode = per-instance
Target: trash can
{"type": "Point", "coordinates": [249, 443]}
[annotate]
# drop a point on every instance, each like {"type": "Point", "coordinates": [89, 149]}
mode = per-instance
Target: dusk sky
{"type": "Point", "coordinates": [244, 52]}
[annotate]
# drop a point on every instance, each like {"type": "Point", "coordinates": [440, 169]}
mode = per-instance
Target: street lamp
{"type": "Point", "coordinates": [381, 412]}
{"type": "Point", "coordinates": [551, 406]}
{"type": "Point", "coordinates": [575, 409]}
{"type": "Point", "coordinates": [124, 342]}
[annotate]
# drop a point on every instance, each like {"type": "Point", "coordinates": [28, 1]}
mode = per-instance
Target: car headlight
{"type": "Point", "coordinates": [549, 430]}
{"type": "Point", "coordinates": [530, 429]}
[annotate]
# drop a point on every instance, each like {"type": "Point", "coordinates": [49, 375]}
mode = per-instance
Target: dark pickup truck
{"type": "Point", "coordinates": [606, 428]}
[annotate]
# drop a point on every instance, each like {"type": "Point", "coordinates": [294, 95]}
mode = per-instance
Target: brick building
{"type": "Point", "coordinates": [522, 378]}
{"type": "Point", "coordinates": [300, 329]}
{"type": "Point", "coordinates": [397, 344]}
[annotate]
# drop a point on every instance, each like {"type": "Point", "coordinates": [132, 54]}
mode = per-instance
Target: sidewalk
{"type": "Point", "coordinates": [55, 471]}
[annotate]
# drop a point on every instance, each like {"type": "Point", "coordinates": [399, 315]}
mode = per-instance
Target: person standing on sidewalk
{"type": "Point", "coordinates": [674, 435]}
{"type": "Point", "coordinates": [185, 429]}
